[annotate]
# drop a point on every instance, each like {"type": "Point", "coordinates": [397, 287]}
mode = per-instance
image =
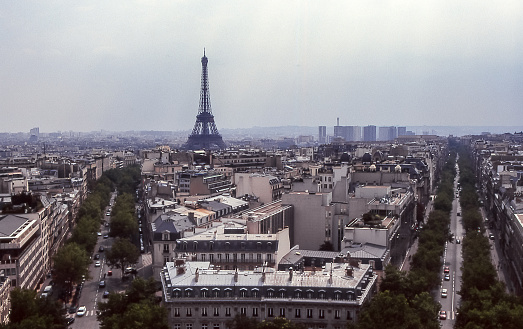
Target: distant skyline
{"type": "Point", "coordinates": [135, 65]}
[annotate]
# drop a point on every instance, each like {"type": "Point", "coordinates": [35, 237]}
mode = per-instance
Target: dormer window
{"type": "Point", "coordinates": [165, 236]}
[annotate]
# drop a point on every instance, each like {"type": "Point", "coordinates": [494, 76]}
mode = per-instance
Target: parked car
{"type": "Point", "coordinates": [102, 284]}
{"type": "Point", "coordinates": [491, 236]}
{"type": "Point", "coordinates": [81, 311]}
{"type": "Point", "coordinates": [105, 294]}
{"type": "Point", "coordinates": [73, 309]}
{"type": "Point", "coordinates": [97, 264]}
{"type": "Point", "coordinates": [96, 256]}
{"type": "Point", "coordinates": [101, 249]}
{"type": "Point", "coordinates": [458, 241]}
{"type": "Point", "coordinates": [70, 320]}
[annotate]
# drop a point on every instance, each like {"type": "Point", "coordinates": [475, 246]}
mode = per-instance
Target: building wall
{"type": "Point", "coordinates": [312, 218]}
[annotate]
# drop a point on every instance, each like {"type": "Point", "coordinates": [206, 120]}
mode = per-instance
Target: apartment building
{"type": "Point", "coordinates": [199, 295]}
{"type": "Point", "coordinates": [230, 246]}
{"type": "Point", "coordinates": [22, 254]}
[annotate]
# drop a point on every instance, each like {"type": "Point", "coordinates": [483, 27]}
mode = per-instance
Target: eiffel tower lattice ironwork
{"type": "Point", "coordinates": [204, 134]}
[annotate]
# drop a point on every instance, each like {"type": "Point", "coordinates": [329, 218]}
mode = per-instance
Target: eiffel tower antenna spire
{"type": "Point", "coordinates": [204, 135]}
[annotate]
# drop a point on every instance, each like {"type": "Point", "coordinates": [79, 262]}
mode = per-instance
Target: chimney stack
{"type": "Point", "coordinates": [290, 273]}
{"type": "Point", "coordinates": [196, 275]}
{"type": "Point", "coordinates": [236, 275]}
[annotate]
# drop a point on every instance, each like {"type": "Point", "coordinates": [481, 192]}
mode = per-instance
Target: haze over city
{"type": "Point", "coordinates": [135, 65]}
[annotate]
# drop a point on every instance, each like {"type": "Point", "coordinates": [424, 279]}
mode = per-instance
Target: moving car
{"type": "Point", "coordinates": [447, 277]}
{"type": "Point", "coordinates": [81, 311]}
{"type": "Point", "coordinates": [105, 294]}
{"type": "Point", "coordinates": [458, 241]}
{"type": "Point", "coordinates": [491, 236]}
{"type": "Point", "coordinates": [446, 269]}
{"type": "Point", "coordinates": [442, 315]}
{"type": "Point", "coordinates": [101, 249]}
{"type": "Point", "coordinates": [102, 284]}
{"type": "Point", "coordinates": [97, 264]}
{"type": "Point", "coordinates": [444, 293]}
{"type": "Point", "coordinates": [96, 256]}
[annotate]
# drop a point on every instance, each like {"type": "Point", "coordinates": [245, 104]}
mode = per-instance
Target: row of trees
{"type": "Point", "coordinates": [403, 300]}
{"type": "Point", "coordinates": [70, 263]}
{"type": "Point", "coordinates": [484, 301]}
{"type": "Point", "coordinates": [137, 308]}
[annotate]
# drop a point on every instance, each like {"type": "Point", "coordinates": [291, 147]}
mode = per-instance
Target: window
{"type": "Point", "coordinates": [211, 245]}
{"type": "Point", "coordinates": [235, 257]}
{"type": "Point", "coordinates": [216, 292]}
{"type": "Point", "coordinates": [270, 312]}
{"type": "Point", "coordinates": [165, 260]}
{"type": "Point", "coordinates": [258, 257]}
{"type": "Point", "coordinates": [243, 311]}
{"type": "Point", "coordinates": [195, 245]}
{"type": "Point", "coordinates": [254, 311]}
{"type": "Point", "coordinates": [322, 314]}
{"type": "Point", "coordinates": [242, 258]}
{"type": "Point", "coordinates": [165, 247]}
{"type": "Point", "coordinates": [337, 314]}
{"type": "Point", "coordinates": [177, 326]}
{"type": "Point", "coordinates": [310, 294]}
{"type": "Point", "coordinates": [211, 258]}
{"type": "Point", "coordinates": [188, 326]}
{"type": "Point", "coordinates": [227, 257]}
{"type": "Point", "coordinates": [251, 257]}
{"type": "Point", "coordinates": [216, 326]}
{"type": "Point", "coordinates": [243, 292]}
{"type": "Point", "coordinates": [203, 257]}
{"type": "Point", "coordinates": [337, 295]}
{"type": "Point", "coordinates": [204, 311]}
{"type": "Point", "coordinates": [255, 293]}
{"type": "Point", "coordinates": [349, 315]}
{"type": "Point", "coordinates": [269, 257]}
{"type": "Point", "coordinates": [205, 326]}
{"type": "Point", "coordinates": [185, 246]}
{"type": "Point", "coordinates": [176, 311]}
{"type": "Point", "coordinates": [321, 294]}
{"type": "Point", "coordinates": [188, 292]}
{"type": "Point", "coordinates": [165, 236]}
{"type": "Point", "coordinates": [188, 312]}
{"type": "Point", "coordinates": [309, 313]}
{"type": "Point", "coordinates": [228, 292]}
{"type": "Point", "coordinates": [282, 293]}
{"type": "Point", "coordinates": [282, 312]}
{"type": "Point", "coordinates": [270, 293]}
{"type": "Point", "coordinates": [219, 257]}
{"type": "Point", "coordinates": [297, 313]}
{"type": "Point", "coordinates": [227, 311]}
{"type": "Point", "coordinates": [216, 311]}
{"type": "Point", "coordinates": [204, 292]}
{"type": "Point", "coordinates": [297, 293]}
{"type": "Point", "coordinates": [177, 293]}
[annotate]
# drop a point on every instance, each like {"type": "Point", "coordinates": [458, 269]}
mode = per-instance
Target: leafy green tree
{"type": "Point", "coordinates": [242, 322]}
{"type": "Point", "coordinates": [30, 312]}
{"type": "Point", "coordinates": [137, 308]}
{"type": "Point", "coordinates": [280, 323]}
{"type": "Point", "coordinates": [70, 263]}
{"type": "Point", "coordinates": [122, 254]}
{"type": "Point", "coordinates": [123, 225]}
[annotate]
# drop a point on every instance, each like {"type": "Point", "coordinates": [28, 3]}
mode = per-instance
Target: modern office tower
{"type": "Point", "coordinates": [204, 134]}
{"type": "Point", "coordinates": [369, 133]}
{"type": "Point", "coordinates": [402, 131]}
{"type": "Point", "coordinates": [34, 134]}
{"type": "Point", "coordinates": [387, 133]}
{"type": "Point", "coordinates": [322, 134]}
{"type": "Point", "coordinates": [339, 131]}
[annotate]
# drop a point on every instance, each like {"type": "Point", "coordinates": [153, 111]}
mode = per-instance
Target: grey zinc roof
{"type": "Point", "coordinates": [208, 277]}
{"type": "Point", "coordinates": [172, 222]}
{"type": "Point", "coordinates": [9, 224]}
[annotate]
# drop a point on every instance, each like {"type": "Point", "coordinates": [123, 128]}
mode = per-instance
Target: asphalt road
{"type": "Point", "coordinates": [453, 259]}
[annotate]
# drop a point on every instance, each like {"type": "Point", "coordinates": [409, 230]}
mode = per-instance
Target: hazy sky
{"type": "Point", "coordinates": [135, 65]}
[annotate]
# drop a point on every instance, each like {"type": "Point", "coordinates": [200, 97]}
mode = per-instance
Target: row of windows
{"type": "Point", "coordinates": [217, 326]}
{"type": "Point", "coordinates": [227, 245]}
{"type": "Point", "coordinates": [308, 313]}
{"type": "Point", "coordinates": [270, 293]}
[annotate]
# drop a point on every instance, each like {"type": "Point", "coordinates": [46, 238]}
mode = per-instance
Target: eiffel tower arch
{"type": "Point", "coordinates": [205, 135]}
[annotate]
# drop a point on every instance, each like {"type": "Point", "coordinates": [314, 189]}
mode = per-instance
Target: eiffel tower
{"type": "Point", "coordinates": [204, 135]}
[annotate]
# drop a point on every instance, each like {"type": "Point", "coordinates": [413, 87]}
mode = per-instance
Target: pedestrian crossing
{"type": "Point", "coordinates": [147, 259]}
